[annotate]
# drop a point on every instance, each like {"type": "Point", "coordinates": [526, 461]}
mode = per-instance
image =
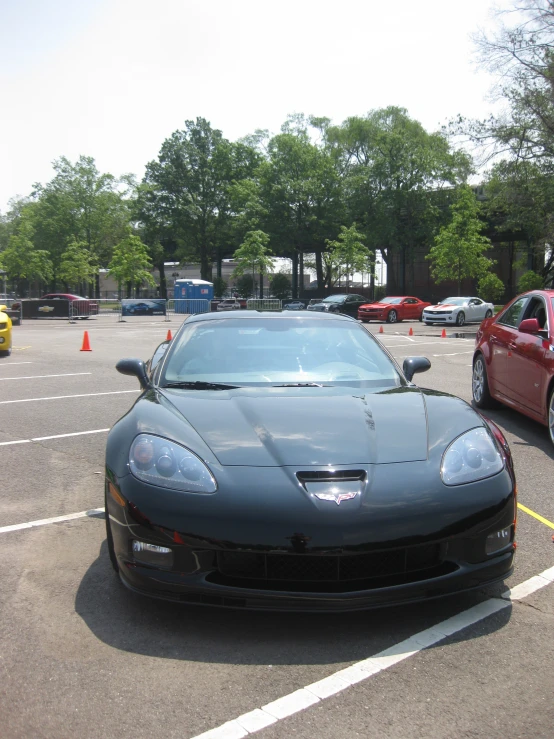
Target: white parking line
{"type": "Point", "coordinates": [63, 397]}
{"type": "Point", "coordinates": [41, 377]}
{"type": "Point", "coordinates": [45, 521]}
{"type": "Point", "coordinates": [271, 713]}
{"type": "Point", "coordinates": [57, 436]}
{"type": "Point", "coordinates": [453, 354]}
{"type": "Point", "coordinates": [13, 364]}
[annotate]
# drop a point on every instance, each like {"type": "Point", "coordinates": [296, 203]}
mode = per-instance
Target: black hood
{"type": "Point", "coordinates": [271, 427]}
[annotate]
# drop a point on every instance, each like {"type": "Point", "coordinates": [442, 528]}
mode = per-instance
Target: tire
{"type": "Point", "coordinates": [480, 384]}
{"type": "Point", "coordinates": [460, 318]}
{"type": "Point", "coordinates": [109, 539]}
{"type": "Point", "coordinates": [428, 323]}
{"type": "Point", "coordinates": [392, 316]}
{"type": "Point", "coordinates": [421, 317]}
{"type": "Point", "coordinates": [488, 314]}
{"type": "Point", "coordinates": [551, 415]}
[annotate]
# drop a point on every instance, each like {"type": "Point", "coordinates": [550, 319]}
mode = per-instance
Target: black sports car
{"type": "Point", "coordinates": [284, 461]}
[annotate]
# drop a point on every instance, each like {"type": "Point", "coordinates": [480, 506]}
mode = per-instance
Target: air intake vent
{"type": "Point", "coordinates": [331, 476]}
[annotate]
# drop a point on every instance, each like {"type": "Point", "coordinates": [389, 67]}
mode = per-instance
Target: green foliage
{"type": "Point", "coordinates": [280, 286]}
{"type": "Point", "coordinates": [187, 190]}
{"type": "Point", "coordinates": [491, 288]}
{"type": "Point", "coordinates": [245, 286]}
{"type": "Point", "coordinates": [253, 255]}
{"type": "Point", "coordinates": [220, 287]}
{"type": "Point", "coordinates": [530, 281]}
{"type": "Point", "coordinates": [131, 263]}
{"type": "Point", "coordinates": [22, 260]}
{"type": "Point", "coordinates": [458, 251]}
{"type": "Point", "coordinates": [349, 251]}
{"type": "Point", "coordinates": [77, 264]}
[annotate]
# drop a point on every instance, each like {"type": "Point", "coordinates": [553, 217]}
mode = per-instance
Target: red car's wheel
{"type": "Point", "coordinates": [480, 384]}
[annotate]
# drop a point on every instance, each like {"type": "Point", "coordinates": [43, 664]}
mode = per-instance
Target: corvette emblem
{"type": "Point", "coordinates": [336, 497]}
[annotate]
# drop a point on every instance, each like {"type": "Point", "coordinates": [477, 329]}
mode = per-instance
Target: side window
{"type": "Point", "coordinates": [536, 309]}
{"type": "Point", "coordinates": [511, 316]}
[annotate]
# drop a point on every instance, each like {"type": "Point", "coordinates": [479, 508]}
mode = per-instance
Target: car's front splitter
{"type": "Point", "coordinates": [196, 590]}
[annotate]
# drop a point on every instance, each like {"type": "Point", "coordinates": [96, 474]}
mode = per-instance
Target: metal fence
{"type": "Point", "coordinates": [263, 304]}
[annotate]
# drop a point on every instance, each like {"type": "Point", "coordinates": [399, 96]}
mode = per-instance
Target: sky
{"type": "Point", "coordinates": [112, 79]}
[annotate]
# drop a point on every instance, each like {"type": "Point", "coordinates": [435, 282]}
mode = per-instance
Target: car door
{"type": "Point", "coordinates": [478, 309]}
{"type": "Point", "coordinates": [502, 335]}
{"type": "Point", "coordinates": [409, 308]}
{"type": "Point", "coordinates": [350, 305]}
{"type": "Point", "coordinates": [526, 372]}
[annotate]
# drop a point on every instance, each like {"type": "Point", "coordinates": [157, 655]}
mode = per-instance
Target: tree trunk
{"type": "Point", "coordinates": [295, 274]}
{"type": "Point", "coordinates": [319, 269]}
{"type": "Point", "coordinates": [301, 274]}
{"type": "Point", "coordinates": [163, 279]}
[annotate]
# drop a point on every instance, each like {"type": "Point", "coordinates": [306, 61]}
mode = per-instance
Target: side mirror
{"type": "Point", "coordinates": [135, 368]}
{"type": "Point", "coordinates": [413, 365]}
{"type": "Point", "coordinates": [529, 326]}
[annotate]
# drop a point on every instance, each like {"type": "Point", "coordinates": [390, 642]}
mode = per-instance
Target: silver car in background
{"type": "Point", "coordinates": [458, 311]}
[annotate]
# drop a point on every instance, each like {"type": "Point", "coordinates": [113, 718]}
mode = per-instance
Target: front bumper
{"type": "Point", "coordinates": [439, 318]}
{"type": "Point", "coordinates": [369, 573]}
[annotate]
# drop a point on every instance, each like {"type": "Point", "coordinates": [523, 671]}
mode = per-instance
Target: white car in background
{"type": "Point", "coordinates": [458, 311]}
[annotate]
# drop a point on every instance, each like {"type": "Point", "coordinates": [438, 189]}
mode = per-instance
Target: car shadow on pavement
{"type": "Point", "coordinates": [530, 433]}
{"type": "Point", "coordinates": [140, 625]}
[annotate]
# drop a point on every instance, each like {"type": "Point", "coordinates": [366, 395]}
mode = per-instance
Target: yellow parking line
{"type": "Point", "coordinates": [536, 515]}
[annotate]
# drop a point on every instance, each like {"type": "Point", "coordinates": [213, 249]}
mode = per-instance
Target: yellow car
{"type": "Point", "coordinates": [5, 332]}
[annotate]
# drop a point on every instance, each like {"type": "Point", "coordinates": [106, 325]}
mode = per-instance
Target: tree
{"type": "Point", "coordinates": [77, 264]}
{"type": "Point", "coordinates": [530, 281]}
{"type": "Point", "coordinates": [393, 173]}
{"type": "Point", "coordinates": [130, 264]}
{"type": "Point", "coordinates": [280, 286]}
{"type": "Point", "coordinates": [187, 190]}
{"type": "Point", "coordinates": [22, 260]}
{"type": "Point", "coordinates": [253, 256]}
{"type": "Point", "coordinates": [458, 251]}
{"type": "Point", "coordinates": [491, 288]}
{"type": "Point", "coordinates": [220, 287]}
{"type": "Point", "coordinates": [79, 204]}
{"type": "Point", "coordinates": [349, 252]}
{"type": "Point", "coordinates": [522, 57]}
{"type": "Point", "coordinates": [245, 286]}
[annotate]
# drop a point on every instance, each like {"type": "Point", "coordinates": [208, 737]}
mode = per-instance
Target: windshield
{"type": "Point", "coordinates": [333, 299]}
{"type": "Point", "coordinates": [391, 301]}
{"type": "Point", "coordinates": [453, 301]}
{"type": "Point", "coordinates": [277, 351]}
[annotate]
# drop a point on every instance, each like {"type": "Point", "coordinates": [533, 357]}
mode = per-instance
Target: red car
{"type": "Point", "coordinates": [514, 358]}
{"type": "Point", "coordinates": [392, 309]}
{"type": "Point", "coordinates": [83, 307]}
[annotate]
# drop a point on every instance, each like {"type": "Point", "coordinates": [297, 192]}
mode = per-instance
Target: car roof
{"type": "Point", "coordinates": [283, 315]}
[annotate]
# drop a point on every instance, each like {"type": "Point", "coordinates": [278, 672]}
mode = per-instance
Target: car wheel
{"type": "Point", "coordinates": [488, 314]}
{"type": "Point", "coordinates": [460, 318]}
{"type": "Point", "coordinates": [392, 316]}
{"type": "Point", "coordinates": [428, 323]}
{"type": "Point", "coordinates": [551, 415]}
{"type": "Point", "coordinates": [421, 317]}
{"type": "Point", "coordinates": [109, 539]}
{"type": "Point", "coordinates": [364, 320]}
{"type": "Point", "coordinates": [480, 384]}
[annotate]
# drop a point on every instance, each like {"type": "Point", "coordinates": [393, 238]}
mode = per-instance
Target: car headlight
{"type": "Point", "coordinates": [167, 464]}
{"type": "Point", "coordinates": [472, 456]}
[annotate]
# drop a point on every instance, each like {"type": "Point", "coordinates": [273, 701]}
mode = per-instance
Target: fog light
{"type": "Point", "coordinates": [152, 554]}
{"type": "Point", "coordinates": [499, 540]}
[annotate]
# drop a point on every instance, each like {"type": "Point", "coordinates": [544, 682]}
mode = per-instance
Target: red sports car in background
{"type": "Point", "coordinates": [84, 306]}
{"type": "Point", "coordinates": [392, 309]}
{"type": "Point", "coordinates": [514, 358]}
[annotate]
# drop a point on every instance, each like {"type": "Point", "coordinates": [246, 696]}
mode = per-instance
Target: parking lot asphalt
{"type": "Point", "coordinates": [82, 656]}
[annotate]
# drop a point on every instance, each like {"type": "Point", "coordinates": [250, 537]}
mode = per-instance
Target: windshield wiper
{"type": "Point", "coordinates": [301, 384]}
{"type": "Point", "coordinates": [201, 385]}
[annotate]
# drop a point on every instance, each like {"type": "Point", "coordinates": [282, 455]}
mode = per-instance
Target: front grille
{"type": "Point", "coordinates": [328, 568]}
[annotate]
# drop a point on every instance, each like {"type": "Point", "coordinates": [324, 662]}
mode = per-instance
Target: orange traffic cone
{"type": "Point", "coordinates": [169, 336]}
{"type": "Point", "coordinates": [443, 335]}
{"type": "Point", "coordinates": [411, 332]}
{"type": "Point", "coordinates": [86, 343]}
{"type": "Point", "coordinates": [381, 330]}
